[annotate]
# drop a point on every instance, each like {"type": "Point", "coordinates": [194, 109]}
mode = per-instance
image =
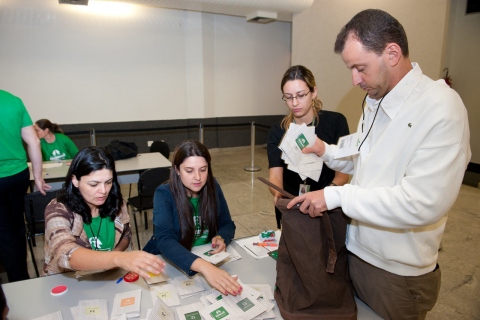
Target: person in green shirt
{"type": "Point", "coordinates": [191, 210]}
{"type": "Point", "coordinates": [55, 145]}
{"type": "Point", "coordinates": [15, 128]}
{"type": "Point", "coordinates": [87, 227]}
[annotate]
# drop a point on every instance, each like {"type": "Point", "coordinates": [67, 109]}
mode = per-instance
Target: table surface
{"type": "Point", "coordinates": [142, 161]}
{"type": "Point", "coordinates": [31, 298]}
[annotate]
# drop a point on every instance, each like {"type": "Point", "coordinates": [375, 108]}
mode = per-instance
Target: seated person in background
{"type": "Point", "coordinates": [87, 226]}
{"type": "Point", "coordinates": [190, 210]}
{"type": "Point", "coordinates": [55, 145]}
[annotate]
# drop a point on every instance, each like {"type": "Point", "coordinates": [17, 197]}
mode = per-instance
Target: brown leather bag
{"type": "Point", "coordinates": [312, 266]}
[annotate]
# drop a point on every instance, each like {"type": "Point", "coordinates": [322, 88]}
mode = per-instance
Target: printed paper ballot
{"type": "Point", "coordinates": [190, 312]}
{"type": "Point", "coordinates": [161, 311]}
{"type": "Point", "coordinates": [167, 293]}
{"type": "Point", "coordinates": [92, 310]}
{"type": "Point", "coordinates": [52, 316]}
{"type": "Point", "coordinates": [348, 146]}
{"type": "Point", "coordinates": [205, 252]}
{"type": "Point", "coordinates": [128, 303]}
{"type": "Point", "coordinates": [187, 287]}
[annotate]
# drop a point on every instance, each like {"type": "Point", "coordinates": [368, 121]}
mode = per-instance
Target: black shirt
{"type": "Point", "coordinates": [332, 125]}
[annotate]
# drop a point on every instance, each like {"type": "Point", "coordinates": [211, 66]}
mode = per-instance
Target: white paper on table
{"type": "Point", "coordinates": [52, 316]}
{"type": "Point", "coordinates": [265, 290]}
{"type": "Point", "coordinates": [191, 311]}
{"type": "Point", "coordinates": [219, 310]}
{"type": "Point", "coordinates": [186, 286]}
{"type": "Point", "coordinates": [234, 255]}
{"type": "Point", "coordinates": [256, 251]}
{"type": "Point", "coordinates": [167, 293]}
{"type": "Point", "coordinates": [127, 302]}
{"type": "Point", "coordinates": [204, 253]}
{"type": "Point", "coordinates": [161, 311]}
{"type": "Point", "coordinates": [204, 295]}
{"type": "Point", "coordinates": [95, 309]}
{"type": "Point", "coordinates": [74, 311]}
{"type": "Point", "coordinates": [268, 314]}
{"type": "Point", "coordinates": [245, 304]}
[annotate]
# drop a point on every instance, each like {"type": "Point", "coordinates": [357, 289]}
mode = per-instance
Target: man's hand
{"type": "Point", "coordinates": [318, 148]}
{"type": "Point", "coordinates": [313, 203]}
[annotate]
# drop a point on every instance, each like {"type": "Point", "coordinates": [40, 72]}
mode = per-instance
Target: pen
{"type": "Point", "coordinates": [120, 280]}
{"type": "Point", "coordinates": [265, 244]}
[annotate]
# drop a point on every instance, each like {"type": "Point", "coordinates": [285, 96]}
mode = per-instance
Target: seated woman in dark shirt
{"type": "Point", "coordinates": [190, 210]}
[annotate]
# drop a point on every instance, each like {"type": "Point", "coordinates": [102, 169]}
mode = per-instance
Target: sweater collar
{"type": "Point", "coordinates": [395, 99]}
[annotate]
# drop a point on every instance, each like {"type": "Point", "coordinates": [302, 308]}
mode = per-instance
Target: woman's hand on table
{"type": "Point", "coordinates": [221, 280]}
{"type": "Point", "coordinates": [218, 244]}
{"type": "Point", "coordinates": [140, 262]}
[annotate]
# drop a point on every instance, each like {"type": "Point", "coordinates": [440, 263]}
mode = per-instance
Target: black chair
{"type": "Point", "coordinates": [148, 182]}
{"type": "Point", "coordinates": [35, 204]}
{"type": "Point", "coordinates": [162, 147]}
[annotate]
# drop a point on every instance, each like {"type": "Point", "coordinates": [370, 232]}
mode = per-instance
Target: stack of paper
{"type": "Point", "coordinates": [187, 287]}
{"type": "Point", "coordinates": [127, 303]}
{"type": "Point", "coordinates": [205, 252]}
{"type": "Point", "coordinates": [246, 305]}
{"type": "Point", "coordinates": [167, 293]}
{"type": "Point", "coordinates": [161, 311]}
{"type": "Point", "coordinates": [90, 309]}
{"type": "Point", "coordinates": [295, 139]}
{"type": "Point", "coordinates": [191, 311]}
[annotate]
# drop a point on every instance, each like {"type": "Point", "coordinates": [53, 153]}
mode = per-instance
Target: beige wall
{"type": "Point", "coordinates": [463, 54]}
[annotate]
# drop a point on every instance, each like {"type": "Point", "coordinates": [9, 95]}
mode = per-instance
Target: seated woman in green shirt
{"type": "Point", "coordinates": [191, 210]}
{"type": "Point", "coordinates": [55, 145]}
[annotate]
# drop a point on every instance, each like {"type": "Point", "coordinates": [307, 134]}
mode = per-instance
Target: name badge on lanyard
{"type": "Point", "coordinates": [348, 145]}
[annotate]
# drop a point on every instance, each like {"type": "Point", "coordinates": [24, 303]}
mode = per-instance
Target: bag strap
{"type": "Point", "coordinates": [332, 253]}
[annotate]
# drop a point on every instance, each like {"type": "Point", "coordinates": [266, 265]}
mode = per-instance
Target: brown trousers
{"type": "Point", "coordinates": [392, 296]}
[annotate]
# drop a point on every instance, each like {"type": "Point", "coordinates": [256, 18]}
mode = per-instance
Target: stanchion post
{"type": "Point", "coordinates": [252, 168]}
{"type": "Point", "coordinates": [200, 132]}
{"type": "Point", "coordinates": [93, 137]}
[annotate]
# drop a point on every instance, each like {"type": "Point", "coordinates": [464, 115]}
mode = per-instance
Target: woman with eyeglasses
{"type": "Point", "coordinates": [87, 227]}
{"type": "Point", "coordinates": [191, 210]}
{"type": "Point", "coordinates": [304, 107]}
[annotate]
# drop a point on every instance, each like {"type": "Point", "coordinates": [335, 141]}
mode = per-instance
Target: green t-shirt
{"type": "Point", "coordinates": [13, 118]}
{"type": "Point", "coordinates": [61, 149]}
{"type": "Point", "coordinates": [103, 236]}
{"type": "Point", "coordinates": [199, 239]}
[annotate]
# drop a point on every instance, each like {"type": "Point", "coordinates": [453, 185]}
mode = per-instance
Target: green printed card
{"type": "Point", "coordinates": [301, 141]}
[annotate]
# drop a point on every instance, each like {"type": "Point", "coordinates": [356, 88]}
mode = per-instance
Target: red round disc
{"type": "Point", "coordinates": [130, 277]}
{"type": "Point", "coordinates": [59, 290]}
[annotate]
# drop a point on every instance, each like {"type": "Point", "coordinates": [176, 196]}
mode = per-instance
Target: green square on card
{"type": "Point", "coordinates": [245, 304]}
{"type": "Point", "coordinates": [219, 313]}
{"type": "Point", "coordinates": [301, 141]}
{"type": "Point", "coordinates": [193, 316]}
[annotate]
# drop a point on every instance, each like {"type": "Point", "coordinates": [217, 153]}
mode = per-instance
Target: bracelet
{"type": "Point", "coordinates": [332, 185]}
{"type": "Point", "coordinates": [220, 238]}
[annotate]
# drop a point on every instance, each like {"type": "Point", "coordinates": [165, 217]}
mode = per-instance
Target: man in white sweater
{"type": "Point", "coordinates": [412, 152]}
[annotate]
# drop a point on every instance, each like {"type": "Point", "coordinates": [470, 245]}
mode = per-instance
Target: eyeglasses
{"type": "Point", "coordinates": [299, 97]}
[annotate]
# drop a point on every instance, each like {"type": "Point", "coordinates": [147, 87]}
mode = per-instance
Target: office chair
{"type": "Point", "coordinates": [148, 182]}
{"type": "Point", "coordinates": [162, 147]}
{"type": "Point", "coordinates": [35, 204]}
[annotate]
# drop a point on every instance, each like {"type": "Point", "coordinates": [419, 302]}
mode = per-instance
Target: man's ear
{"type": "Point", "coordinates": [394, 53]}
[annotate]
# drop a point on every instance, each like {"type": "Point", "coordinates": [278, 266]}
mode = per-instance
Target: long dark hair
{"type": "Point", "coordinates": [374, 29]}
{"type": "Point", "coordinates": [207, 201]}
{"type": "Point", "coordinates": [47, 124]}
{"type": "Point", "coordinates": [301, 73]}
{"type": "Point", "coordinates": [85, 162]}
